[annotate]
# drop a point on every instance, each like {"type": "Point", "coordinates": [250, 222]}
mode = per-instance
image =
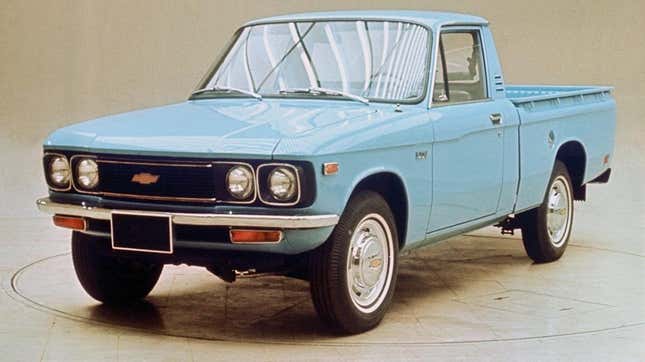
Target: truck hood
{"type": "Point", "coordinates": [228, 128]}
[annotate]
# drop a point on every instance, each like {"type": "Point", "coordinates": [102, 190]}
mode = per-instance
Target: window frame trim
{"type": "Point", "coordinates": [460, 29]}
{"type": "Point", "coordinates": [430, 46]}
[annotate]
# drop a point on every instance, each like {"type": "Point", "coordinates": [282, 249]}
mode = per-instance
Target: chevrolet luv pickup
{"type": "Point", "coordinates": [320, 146]}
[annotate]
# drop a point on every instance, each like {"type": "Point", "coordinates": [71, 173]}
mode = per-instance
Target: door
{"type": "Point", "coordinates": [468, 149]}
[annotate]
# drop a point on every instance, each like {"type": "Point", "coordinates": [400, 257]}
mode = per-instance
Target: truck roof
{"type": "Point", "coordinates": [432, 19]}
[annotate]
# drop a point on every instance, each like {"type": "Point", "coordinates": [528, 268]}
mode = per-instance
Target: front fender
{"type": "Point", "coordinates": [334, 191]}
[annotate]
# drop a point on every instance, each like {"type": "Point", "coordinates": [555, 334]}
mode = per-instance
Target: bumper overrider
{"type": "Point", "coordinates": [299, 233]}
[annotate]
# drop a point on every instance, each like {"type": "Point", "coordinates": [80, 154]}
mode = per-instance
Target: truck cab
{"type": "Point", "coordinates": [475, 148]}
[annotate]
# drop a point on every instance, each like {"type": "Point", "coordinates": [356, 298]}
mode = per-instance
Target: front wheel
{"type": "Point", "coordinates": [353, 275]}
{"type": "Point", "coordinates": [110, 279]}
{"type": "Point", "coordinates": [546, 230]}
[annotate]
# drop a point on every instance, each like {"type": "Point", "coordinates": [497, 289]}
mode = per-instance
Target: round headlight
{"type": "Point", "coordinates": [59, 174]}
{"type": "Point", "coordinates": [282, 183]}
{"type": "Point", "coordinates": [239, 181]}
{"type": "Point", "coordinates": [87, 173]}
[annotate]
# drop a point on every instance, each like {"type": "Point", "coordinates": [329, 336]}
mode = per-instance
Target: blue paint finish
{"type": "Point", "coordinates": [468, 163]}
{"type": "Point", "coordinates": [294, 242]}
{"type": "Point", "coordinates": [433, 19]}
{"type": "Point", "coordinates": [583, 115]}
{"type": "Point", "coordinates": [227, 128]}
{"type": "Point", "coordinates": [335, 191]}
{"type": "Point", "coordinates": [475, 173]}
{"type": "Point", "coordinates": [384, 141]}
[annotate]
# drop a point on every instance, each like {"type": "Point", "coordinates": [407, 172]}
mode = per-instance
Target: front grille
{"type": "Point", "coordinates": [178, 181]}
{"type": "Point", "coordinates": [192, 182]}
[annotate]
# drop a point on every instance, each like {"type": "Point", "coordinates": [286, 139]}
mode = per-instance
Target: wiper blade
{"type": "Point", "coordinates": [218, 88]}
{"type": "Point", "coordinates": [296, 90]}
{"type": "Point", "coordinates": [342, 94]}
{"type": "Point", "coordinates": [327, 91]}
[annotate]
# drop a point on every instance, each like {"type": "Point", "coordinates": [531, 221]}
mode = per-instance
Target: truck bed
{"type": "Point", "coordinates": [551, 116]}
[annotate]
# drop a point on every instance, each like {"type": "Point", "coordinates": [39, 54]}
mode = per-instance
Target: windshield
{"type": "Point", "coordinates": [377, 60]}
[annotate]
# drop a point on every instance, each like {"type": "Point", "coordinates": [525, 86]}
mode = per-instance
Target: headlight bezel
{"type": "Point", "coordinates": [252, 192]}
{"type": "Point", "coordinates": [48, 159]}
{"type": "Point", "coordinates": [74, 161]}
{"type": "Point", "coordinates": [266, 195]}
{"type": "Point", "coordinates": [283, 190]}
{"type": "Point", "coordinates": [78, 184]}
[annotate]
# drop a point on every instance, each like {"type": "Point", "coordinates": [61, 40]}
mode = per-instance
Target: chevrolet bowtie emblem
{"type": "Point", "coordinates": [144, 178]}
{"type": "Point", "coordinates": [375, 263]}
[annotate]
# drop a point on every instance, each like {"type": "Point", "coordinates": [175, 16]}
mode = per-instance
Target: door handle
{"type": "Point", "coordinates": [496, 118]}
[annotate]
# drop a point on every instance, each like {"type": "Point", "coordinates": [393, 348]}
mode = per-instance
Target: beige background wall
{"type": "Point", "coordinates": [66, 61]}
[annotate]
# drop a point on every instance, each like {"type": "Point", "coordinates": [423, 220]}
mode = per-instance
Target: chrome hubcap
{"type": "Point", "coordinates": [369, 263]}
{"type": "Point", "coordinates": [558, 218]}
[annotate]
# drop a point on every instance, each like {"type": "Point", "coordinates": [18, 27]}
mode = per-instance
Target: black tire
{"type": "Point", "coordinates": [330, 288]}
{"type": "Point", "coordinates": [539, 244]}
{"type": "Point", "coordinates": [110, 279]}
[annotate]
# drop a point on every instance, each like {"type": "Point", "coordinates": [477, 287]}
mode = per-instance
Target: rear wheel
{"type": "Point", "coordinates": [546, 229]}
{"type": "Point", "coordinates": [110, 279]}
{"type": "Point", "coordinates": [353, 275]}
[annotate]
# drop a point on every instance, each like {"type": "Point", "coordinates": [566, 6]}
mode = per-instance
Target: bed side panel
{"type": "Point", "coordinates": [548, 124]}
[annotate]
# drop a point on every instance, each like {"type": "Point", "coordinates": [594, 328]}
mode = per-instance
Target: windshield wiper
{"type": "Point", "coordinates": [326, 91]}
{"type": "Point", "coordinates": [218, 88]}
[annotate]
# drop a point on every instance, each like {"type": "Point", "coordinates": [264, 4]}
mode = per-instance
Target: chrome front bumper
{"type": "Point", "coordinates": [238, 220]}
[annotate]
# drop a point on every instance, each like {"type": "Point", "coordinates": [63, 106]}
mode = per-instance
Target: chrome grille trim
{"type": "Point", "coordinates": [166, 164]}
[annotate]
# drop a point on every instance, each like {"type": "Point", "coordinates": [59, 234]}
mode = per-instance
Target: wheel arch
{"type": "Point", "coordinates": [573, 154]}
{"type": "Point", "coordinates": [393, 189]}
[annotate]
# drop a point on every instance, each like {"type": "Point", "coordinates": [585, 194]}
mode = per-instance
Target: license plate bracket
{"type": "Point", "coordinates": [142, 232]}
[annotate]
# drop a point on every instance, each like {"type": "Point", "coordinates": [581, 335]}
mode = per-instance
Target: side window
{"type": "Point", "coordinates": [460, 68]}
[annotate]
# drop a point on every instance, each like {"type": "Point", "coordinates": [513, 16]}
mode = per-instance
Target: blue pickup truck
{"type": "Point", "coordinates": [320, 146]}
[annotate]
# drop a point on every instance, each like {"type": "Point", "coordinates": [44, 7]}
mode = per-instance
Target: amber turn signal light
{"type": "Point", "coordinates": [330, 168]}
{"type": "Point", "coordinates": [69, 222]}
{"type": "Point", "coordinates": [239, 236]}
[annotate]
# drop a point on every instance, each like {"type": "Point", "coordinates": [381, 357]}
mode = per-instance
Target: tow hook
{"type": "Point", "coordinates": [509, 225]}
{"type": "Point", "coordinates": [231, 275]}
{"type": "Point", "coordinates": [245, 273]}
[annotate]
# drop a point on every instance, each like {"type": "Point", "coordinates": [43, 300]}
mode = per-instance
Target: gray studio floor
{"type": "Point", "coordinates": [473, 297]}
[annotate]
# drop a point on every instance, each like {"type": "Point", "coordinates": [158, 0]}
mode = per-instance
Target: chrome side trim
{"type": "Point", "coordinates": [244, 220]}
